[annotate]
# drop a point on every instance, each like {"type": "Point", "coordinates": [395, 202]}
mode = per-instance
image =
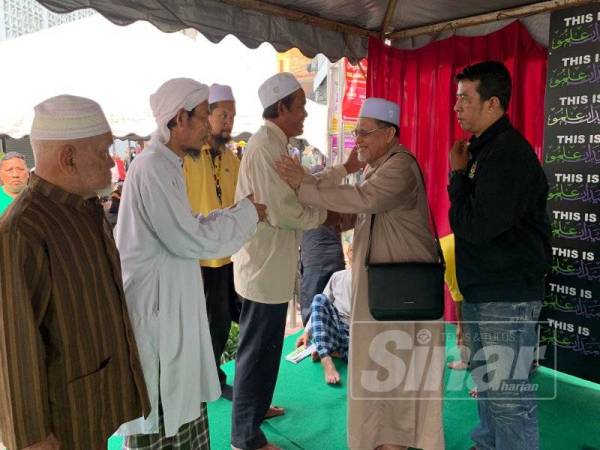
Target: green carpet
{"type": "Point", "coordinates": [316, 413]}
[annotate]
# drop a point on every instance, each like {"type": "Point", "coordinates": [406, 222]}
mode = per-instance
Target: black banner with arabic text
{"type": "Point", "coordinates": [572, 165]}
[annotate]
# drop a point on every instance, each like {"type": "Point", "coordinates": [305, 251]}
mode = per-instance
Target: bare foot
{"type": "Point", "coordinates": [274, 411]}
{"type": "Point", "coordinates": [457, 365]}
{"type": "Point", "coordinates": [331, 374]}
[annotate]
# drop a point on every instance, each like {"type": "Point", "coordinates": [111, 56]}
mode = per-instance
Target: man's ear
{"type": "Point", "coordinates": [280, 108]}
{"type": "Point", "coordinates": [494, 103]}
{"type": "Point", "coordinates": [390, 133]}
{"type": "Point", "coordinates": [181, 117]}
{"type": "Point", "coordinates": [66, 158]}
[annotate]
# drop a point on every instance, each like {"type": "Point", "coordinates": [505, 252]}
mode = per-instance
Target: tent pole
{"type": "Point", "coordinates": [511, 13]}
{"type": "Point", "coordinates": [389, 13]}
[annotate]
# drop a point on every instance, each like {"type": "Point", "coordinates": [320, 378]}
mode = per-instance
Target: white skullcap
{"type": "Point", "coordinates": [277, 87]}
{"type": "Point", "coordinates": [170, 97]}
{"type": "Point", "coordinates": [381, 109]}
{"type": "Point", "coordinates": [67, 117]}
{"type": "Point", "coordinates": [220, 93]}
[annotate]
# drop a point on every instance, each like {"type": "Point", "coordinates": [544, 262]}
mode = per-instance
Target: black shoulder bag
{"type": "Point", "coordinates": [406, 290]}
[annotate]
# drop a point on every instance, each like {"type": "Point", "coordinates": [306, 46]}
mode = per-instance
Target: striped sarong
{"type": "Point", "coordinates": [190, 436]}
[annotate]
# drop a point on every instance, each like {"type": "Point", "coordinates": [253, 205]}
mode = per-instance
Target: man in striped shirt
{"type": "Point", "coordinates": [69, 367]}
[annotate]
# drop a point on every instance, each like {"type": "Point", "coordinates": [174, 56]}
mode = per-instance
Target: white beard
{"type": "Point", "coordinates": [361, 157]}
{"type": "Point", "coordinates": [106, 192]}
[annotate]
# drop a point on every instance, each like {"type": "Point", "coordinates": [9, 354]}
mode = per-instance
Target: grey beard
{"type": "Point", "coordinates": [106, 192]}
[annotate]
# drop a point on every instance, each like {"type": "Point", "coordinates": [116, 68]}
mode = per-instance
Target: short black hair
{"type": "Point", "coordinates": [171, 123]}
{"type": "Point", "coordinates": [272, 111]}
{"type": "Point", "coordinates": [383, 123]}
{"type": "Point", "coordinates": [494, 80]}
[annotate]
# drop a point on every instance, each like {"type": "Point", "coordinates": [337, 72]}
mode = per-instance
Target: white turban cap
{"type": "Point", "coordinates": [172, 96]}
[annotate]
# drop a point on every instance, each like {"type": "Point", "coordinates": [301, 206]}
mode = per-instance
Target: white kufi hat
{"type": "Point", "coordinates": [67, 117]}
{"type": "Point", "coordinates": [380, 109]}
{"type": "Point", "coordinates": [276, 88]}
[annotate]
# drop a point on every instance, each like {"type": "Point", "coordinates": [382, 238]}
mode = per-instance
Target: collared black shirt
{"type": "Point", "coordinates": [498, 215]}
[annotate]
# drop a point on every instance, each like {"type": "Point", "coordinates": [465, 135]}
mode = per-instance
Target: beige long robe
{"type": "Point", "coordinates": [402, 406]}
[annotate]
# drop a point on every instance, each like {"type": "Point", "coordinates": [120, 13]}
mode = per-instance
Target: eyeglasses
{"type": "Point", "coordinates": [363, 133]}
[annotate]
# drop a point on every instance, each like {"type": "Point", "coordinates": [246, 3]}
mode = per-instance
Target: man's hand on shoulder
{"type": "Point", "coordinates": [290, 170]}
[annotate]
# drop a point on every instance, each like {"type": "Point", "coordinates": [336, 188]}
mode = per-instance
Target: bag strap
{"type": "Point", "coordinates": [431, 218]}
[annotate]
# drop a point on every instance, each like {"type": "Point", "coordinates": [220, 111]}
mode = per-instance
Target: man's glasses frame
{"type": "Point", "coordinates": [362, 133]}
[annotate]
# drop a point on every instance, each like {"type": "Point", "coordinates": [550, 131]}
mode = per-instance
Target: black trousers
{"type": "Point", "coordinates": [262, 327]}
{"type": "Point", "coordinates": [220, 297]}
{"type": "Point", "coordinates": [314, 279]}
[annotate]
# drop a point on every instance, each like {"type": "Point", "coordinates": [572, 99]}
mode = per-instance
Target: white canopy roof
{"type": "Point", "coordinates": [120, 67]}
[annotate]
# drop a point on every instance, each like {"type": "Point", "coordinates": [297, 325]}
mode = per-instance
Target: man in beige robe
{"type": "Point", "coordinates": [396, 368]}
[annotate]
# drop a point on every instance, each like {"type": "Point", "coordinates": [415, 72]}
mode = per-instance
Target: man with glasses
{"type": "Point", "coordinates": [14, 176]}
{"type": "Point", "coordinates": [210, 179]}
{"type": "Point", "coordinates": [388, 407]}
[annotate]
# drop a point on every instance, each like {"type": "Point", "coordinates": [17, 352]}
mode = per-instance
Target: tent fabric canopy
{"type": "Point", "coordinates": [254, 22]}
{"type": "Point", "coordinates": [119, 67]}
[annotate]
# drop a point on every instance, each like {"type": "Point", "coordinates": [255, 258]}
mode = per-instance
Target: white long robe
{"type": "Point", "coordinates": [160, 242]}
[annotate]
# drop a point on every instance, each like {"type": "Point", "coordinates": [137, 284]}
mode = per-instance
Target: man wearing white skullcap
{"type": "Point", "coordinates": [210, 180]}
{"type": "Point", "coordinates": [160, 241]}
{"type": "Point", "coordinates": [392, 202]}
{"type": "Point", "coordinates": [68, 342]}
{"type": "Point", "coordinates": [265, 268]}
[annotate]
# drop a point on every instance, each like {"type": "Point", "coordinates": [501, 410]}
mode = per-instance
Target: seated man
{"type": "Point", "coordinates": [328, 326]}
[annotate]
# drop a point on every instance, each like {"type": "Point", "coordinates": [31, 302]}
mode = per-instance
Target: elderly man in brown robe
{"type": "Point", "coordinates": [396, 368]}
{"type": "Point", "coordinates": [69, 367]}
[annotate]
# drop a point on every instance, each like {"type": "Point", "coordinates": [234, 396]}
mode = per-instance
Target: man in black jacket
{"type": "Point", "coordinates": [498, 214]}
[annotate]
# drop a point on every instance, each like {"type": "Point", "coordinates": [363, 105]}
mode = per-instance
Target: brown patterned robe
{"type": "Point", "coordinates": [68, 360]}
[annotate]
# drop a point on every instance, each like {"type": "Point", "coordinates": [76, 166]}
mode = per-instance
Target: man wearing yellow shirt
{"type": "Point", "coordinates": [447, 244]}
{"type": "Point", "coordinates": [210, 179]}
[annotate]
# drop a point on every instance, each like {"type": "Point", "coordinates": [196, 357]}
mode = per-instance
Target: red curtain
{"type": "Point", "coordinates": [422, 82]}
